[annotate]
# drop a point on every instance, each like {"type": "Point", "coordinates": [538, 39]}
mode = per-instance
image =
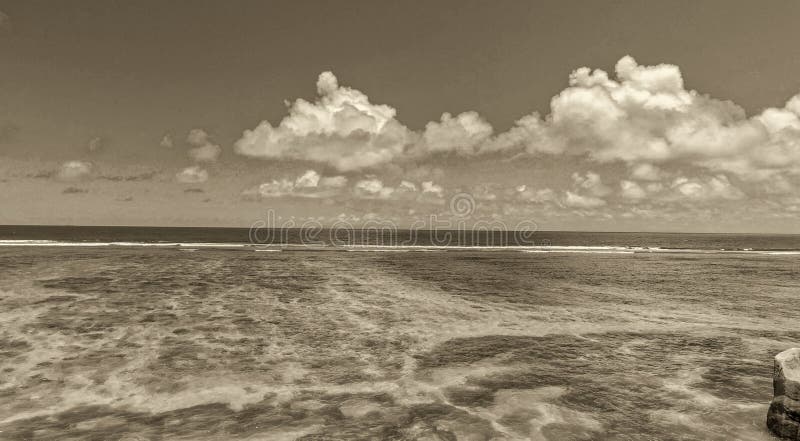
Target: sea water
{"type": "Point", "coordinates": [224, 343]}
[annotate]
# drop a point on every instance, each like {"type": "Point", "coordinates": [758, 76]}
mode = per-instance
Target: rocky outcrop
{"type": "Point", "coordinates": [783, 417]}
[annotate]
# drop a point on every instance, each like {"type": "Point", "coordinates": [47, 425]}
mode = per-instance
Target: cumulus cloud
{"type": "Point", "coordinates": [204, 150]}
{"type": "Point", "coordinates": [192, 175]}
{"type": "Point", "coordinates": [342, 128]}
{"type": "Point", "coordinates": [74, 170]}
{"type": "Point", "coordinates": [309, 179]}
{"type": "Point", "coordinates": [574, 200]}
{"type": "Point", "coordinates": [646, 117]}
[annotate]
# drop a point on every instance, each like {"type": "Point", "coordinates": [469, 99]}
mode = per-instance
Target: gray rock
{"type": "Point", "coordinates": [783, 417]}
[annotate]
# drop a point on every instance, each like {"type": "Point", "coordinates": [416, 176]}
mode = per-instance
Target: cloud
{"type": "Point", "coordinates": [308, 185]}
{"type": "Point", "coordinates": [590, 182]}
{"type": "Point", "coordinates": [430, 187]}
{"type": "Point", "coordinates": [632, 191]}
{"type": "Point", "coordinates": [166, 141]}
{"type": "Point", "coordinates": [464, 134]}
{"type": "Point", "coordinates": [192, 175]}
{"type": "Point", "coordinates": [342, 129]}
{"type": "Point", "coordinates": [646, 117]}
{"type": "Point", "coordinates": [74, 190]}
{"type": "Point", "coordinates": [647, 172]}
{"type": "Point", "coordinates": [708, 188]}
{"type": "Point", "coordinates": [74, 170]}
{"type": "Point", "coordinates": [372, 188]}
{"type": "Point", "coordinates": [204, 150]}
{"type": "Point", "coordinates": [309, 179]}
{"type": "Point", "coordinates": [407, 186]}
{"type": "Point", "coordinates": [575, 200]}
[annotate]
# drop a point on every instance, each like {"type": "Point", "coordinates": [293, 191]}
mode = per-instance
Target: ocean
{"type": "Point", "coordinates": [113, 333]}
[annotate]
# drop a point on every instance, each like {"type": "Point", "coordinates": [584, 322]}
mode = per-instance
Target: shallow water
{"type": "Point", "coordinates": [140, 344]}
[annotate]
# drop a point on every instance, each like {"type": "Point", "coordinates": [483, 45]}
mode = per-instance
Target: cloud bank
{"type": "Point", "coordinates": [645, 117]}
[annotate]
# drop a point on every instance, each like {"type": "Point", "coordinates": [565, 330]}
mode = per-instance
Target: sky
{"type": "Point", "coordinates": [569, 115]}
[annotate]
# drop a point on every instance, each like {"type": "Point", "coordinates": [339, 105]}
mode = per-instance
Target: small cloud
{"type": "Point", "coordinates": [309, 179]}
{"type": "Point", "coordinates": [206, 153]}
{"type": "Point", "coordinates": [204, 150]}
{"type": "Point", "coordinates": [575, 200]}
{"type": "Point", "coordinates": [74, 170]}
{"type": "Point", "coordinates": [74, 190]}
{"type": "Point", "coordinates": [591, 182]}
{"type": "Point", "coordinates": [166, 141]}
{"type": "Point", "coordinates": [430, 187]}
{"type": "Point", "coordinates": [372, 188]}
{"type": "Point", "coordinates": [631, 190]}
{"type": "Point", "coordinates": [192, 175]}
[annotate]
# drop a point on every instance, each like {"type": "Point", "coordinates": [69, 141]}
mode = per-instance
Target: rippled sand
{"type": "Point", "coordinates": [162, 344]}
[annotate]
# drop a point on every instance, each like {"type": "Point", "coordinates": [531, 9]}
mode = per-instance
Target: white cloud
{"type": "Point", "coordinates": [430, 187]}
{"type": "Point", "coordinates": [632, 191]}
{"type": "Point", "coordinates": [708, 188]}
{"type": "Point", "coordinates": [74, 170]}
{"type": "Point", "coordinates": [464, 134]}
{"type": "Point", "coordinates": [575, 200]}
{"type": "Point", "coordinates": [647, 116]}
{"type": "Point", "coordinates": [192, 175]}
{"type": "Point", "coordinates": [204, 150]}
{"type": "Point", "coordinates": [407, 186]}
{"type": "Point", "coordinates": [372, 188]}
{"type": "Point", "coordinates": [591, 182]}
{"type": "Point", "coordinates": [308, 185]}
{"type": "Point", "coordinates": [276, 189]}
{"type": "Point", "coordinates": [309, 179]}
{"type": "Point", "coordinates": [342, 129]}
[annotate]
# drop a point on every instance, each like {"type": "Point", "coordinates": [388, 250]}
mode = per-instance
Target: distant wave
{"type": "Point", "coordinates": [195, 246]}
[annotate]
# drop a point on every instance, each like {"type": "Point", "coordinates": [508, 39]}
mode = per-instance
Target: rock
{"type": "Point", "coordinates": [783, 417]}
